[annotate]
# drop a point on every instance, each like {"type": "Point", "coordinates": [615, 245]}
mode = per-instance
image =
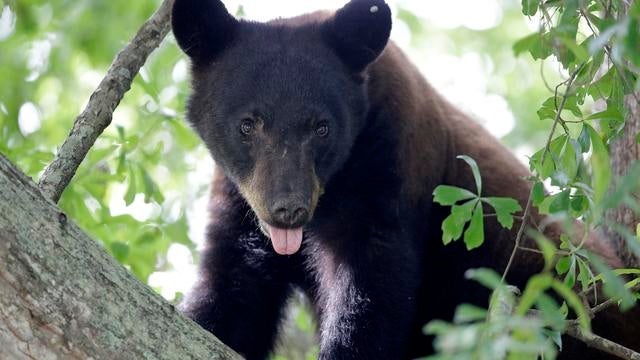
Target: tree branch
{"type": "Point", "coordinates": [600, 343]}
{"type": "Point", "coordinates": [98, 113]}
{"type": "Point", "coordinates": [63, 296]}
{"type": "Point", "coordinates": [610, 302]}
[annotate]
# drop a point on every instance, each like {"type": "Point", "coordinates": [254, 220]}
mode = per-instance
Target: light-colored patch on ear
{"type": "Point", "coordinates": [374, 9]}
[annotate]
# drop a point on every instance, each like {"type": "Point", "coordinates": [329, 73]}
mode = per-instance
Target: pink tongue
{"type": "Point", "coordinates": [285, 241]}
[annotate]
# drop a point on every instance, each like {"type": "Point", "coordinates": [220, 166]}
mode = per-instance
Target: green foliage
{"type": "Point", "coordinates": [471, 211]}
{"type": "Point", "coordinates": [53, 60]}
{"type": "Point", "coordinates": [597, 47]}
{"type": "Point", "coordinates": [501, 331]}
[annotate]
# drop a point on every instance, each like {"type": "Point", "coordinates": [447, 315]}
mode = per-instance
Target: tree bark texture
{"type": "Point", "coordinates": [63, 297]}
{"type": "Point", "coordinates": [624, 152]}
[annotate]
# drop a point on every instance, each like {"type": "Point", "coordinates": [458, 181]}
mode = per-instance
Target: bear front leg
{"type": "Point", "coordinates": [240, 293]}
{"type": "Point", "coordinates": [367, 301]}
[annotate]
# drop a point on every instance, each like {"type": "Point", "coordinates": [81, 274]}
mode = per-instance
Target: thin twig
{"type": "Point", "coordinates": [98, 113]}
{"type": "Point", "coordinates": [516, 217]}
{"type": "Point", "coordinates": [598, 308]}
{"type": "Point", "coordinates": [558, 252]}
{"type": "Point", "coordinates": [527, 209]}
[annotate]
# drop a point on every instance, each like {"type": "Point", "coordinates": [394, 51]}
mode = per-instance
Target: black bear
{"type": "Point", "coordinates": [329, 144]}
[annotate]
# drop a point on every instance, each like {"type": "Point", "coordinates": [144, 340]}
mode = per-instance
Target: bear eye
{"type": "Point", "coordinates": [246, 127]}
{"type": "Point", "coordinates": [322, 129]}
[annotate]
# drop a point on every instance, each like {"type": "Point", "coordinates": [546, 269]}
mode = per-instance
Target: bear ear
{"type": "Point", "coordinates": [360, 31]}
{"type": "Point", "coordinates": [203, 28]}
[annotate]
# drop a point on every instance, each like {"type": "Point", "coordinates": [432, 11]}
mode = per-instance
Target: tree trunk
{"type": "Point", "coordinates": [624, 152]}
{"type": "Point", "coordinates": [63, 297]}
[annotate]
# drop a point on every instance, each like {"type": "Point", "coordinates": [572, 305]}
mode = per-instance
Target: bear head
{"type": "Point", "coordinates": [280, 104]}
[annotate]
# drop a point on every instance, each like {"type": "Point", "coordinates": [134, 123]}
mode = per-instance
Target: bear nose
{"type": "Point", "coordinates": [290, 214]}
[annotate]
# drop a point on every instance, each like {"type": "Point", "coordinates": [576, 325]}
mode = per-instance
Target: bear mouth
{"type": "Point", "coordinates": [284, 241]}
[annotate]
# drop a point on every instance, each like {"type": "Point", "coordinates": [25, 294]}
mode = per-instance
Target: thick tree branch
{"type": "Point", "coordinates": [98, 113]}
{"type": "Point", "coordinates": [62, 296]}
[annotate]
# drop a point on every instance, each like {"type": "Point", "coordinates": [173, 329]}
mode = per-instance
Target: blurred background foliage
{"type": "Point", "coordinates": [142, 189]}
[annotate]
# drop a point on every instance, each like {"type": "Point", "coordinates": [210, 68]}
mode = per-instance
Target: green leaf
{"type": "Point", "coordinates": [549, 107]}
{"type": "Point", "coordinates": [476, 171]}
{"type": "Point", "coordinates": [613, 285]}
{"type": "Point", "coordinates": [601, 89]}
{"type": "Point", "coordinates": [605, 36]}
{"type": "Point", "coordinates": [599, 164]}
{"type": "Point", "coordinates": [436, 327]}
{"type": "Point", "coordinates": [560, 202]}
{"type": "Point", "coordinates": [579, 205]}
{"type": "Point", "coordinates": [566, 158]}
{"type": "Point", "coordinates": [474, 236]}
{"type": "Point", "coordinates": [530, 7]}
{"type": "Point", "coordinates": [611, 113]}
{"type": "Point", "coordinates": [121, 134]}
{"type": "Point", "coordinates": [546, 113]}
{"type": "Point", "coordinates": [526, 43]}
{"type": "Point", "coordinates": [634, 10]}
{"type": "Point", "coordinates": [466, 313]}
{"type": "Point", "coordinates": [505, 208]}
{"type": "Point", "coordinates": [502, 302]}
{"type": "Point", "coordinates": [449, 195]}
{"type": "Point", "coordinates": [570, 278]}
{"type": "Point", "coordinates": [617, 272]}
{"type": "Point", "coordinates": [585, 274]}
{"type": "Point", "coordinates": [574, 301]}
{"type": "Point", "coordinates": [485, 276]}
{"type": "Point", "coordinates": [538, 193]}
{"type": "Point", "coordinates": [550, 311]}
{"type": "Point", "coordinates": [119, 250]}
{"type": "Point", "coordinates": [151, 190]}
{"type": "Point", "coordinates": [131, 190]}
{"type": "Point", "coordinates": [584, 140]}
{"type": "Point", "coordinates": [542, 48]}
{"type": "Point", "coordinates": [563, 264]}
{"type": "Point", "coordinates": [568, 24]}
{"type": "Point", "coordinates": [453, 225]}
{"type": "Point", "coordinates": [536, 285]}
{"type": "Point", "coordinates": [546, 169]}
{"type": "Point", "coordinates": [581, 54]}
{"type": "Point", "coordinates": [565, 242]}
{"type": "Point", "coordinates": [547, 247]}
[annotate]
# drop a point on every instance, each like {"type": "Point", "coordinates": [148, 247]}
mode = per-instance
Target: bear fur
{"type": "Point", "coordinates": [330, 142]}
